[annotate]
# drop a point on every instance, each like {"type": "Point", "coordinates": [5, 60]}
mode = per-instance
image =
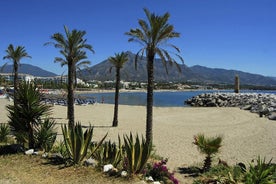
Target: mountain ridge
{"type": "Point", "coordinates": [196, 73]}
{"type": "Point", "coordinates": [28, 69]}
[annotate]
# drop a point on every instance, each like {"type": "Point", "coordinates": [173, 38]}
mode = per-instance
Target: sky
{"type": "Point", "coordinates": [229, 34]}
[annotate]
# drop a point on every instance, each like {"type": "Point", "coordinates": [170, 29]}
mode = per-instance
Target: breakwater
{"type": "Point", "coordinates": [262, 103]}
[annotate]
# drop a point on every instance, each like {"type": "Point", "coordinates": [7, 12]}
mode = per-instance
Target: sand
{"type": "Point", "coordinates": [245, 135]}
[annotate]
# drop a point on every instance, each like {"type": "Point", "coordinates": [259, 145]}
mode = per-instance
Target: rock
{"type": "Point", "coordinates": [90, 162]}
{"type": "Point", "coordinates": [247, 107]}
{"type": "Point", "coordinates": [107, 167]}
{"type": "Point", "coordinates": [149, 179]}
{"type": "Point", "coordinates": [124, 174]}
{"type": "Point", "coordinates": [272, 116]}
{"type": "Point", "coordinates": [29, 152]}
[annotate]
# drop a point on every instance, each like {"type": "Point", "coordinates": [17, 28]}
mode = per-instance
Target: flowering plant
{"type": "Point", "coordinates": [159, 172]}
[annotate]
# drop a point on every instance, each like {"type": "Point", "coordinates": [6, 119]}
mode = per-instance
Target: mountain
{"type": "Point", "coordinates": [196, 73]}
{"type": "Point", "coordinates": [102, 72]}
{"type": "Point", "coordinates": [29, 69]}
{"type": "Point", "coordinates": [217, 75]}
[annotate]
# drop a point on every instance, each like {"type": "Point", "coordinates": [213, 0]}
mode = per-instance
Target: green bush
{"type": "Point", "coordinates": [77, 143]}
{"type": "Point", "coordinates": [27, 113]}
{"type": "Point", "coordinates": [137, 153]}
{"type": "Point", "coordinates": [109, 153]}
{"type": "Point", "coordinates": [45, 135]}
{"type": "Point", "coordinates": [4, 132]}
{"type": "Point", "coordinates": [261, 173]}
{"type": "Point", "coordinates": [208, 146]}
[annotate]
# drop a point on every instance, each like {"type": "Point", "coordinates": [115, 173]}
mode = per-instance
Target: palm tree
{"type": "Point", "coordinates": [208, 146]}
{"type": "Point", "coordinates": [72, 47]}
{"type": "Point", "coordinates": [118, 61]}
{"type": "Point", "coordinates": [153, 36]}
{"type": "Point", "coordinates": [15, 54]}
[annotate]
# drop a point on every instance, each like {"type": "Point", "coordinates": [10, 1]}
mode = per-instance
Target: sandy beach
{"type": "Point", "coordinates": [245, 135]}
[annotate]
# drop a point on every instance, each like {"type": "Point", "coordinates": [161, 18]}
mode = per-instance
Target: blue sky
{"type": "Point", "coordinates": [230, 34]}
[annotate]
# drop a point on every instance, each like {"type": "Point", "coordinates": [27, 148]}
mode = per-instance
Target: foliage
{"type": "Point", "coordinates": [153, 35]}
{"type": "Point", "coordinates": [73, 48]}
{"type": "Point", "coordinates": [77, 142]}
{"type": "Point", "coordinates": [159, 172]}
{"type": "Point", "coordinates": [45, 135]}
{"type": "Point", "coordinates": [28, 112]}
{"type": "Point", "coordinates": [109, 153]}
{"type": "Point", "coordinates": [4, 132]}
{"type": "Point", "coordinates": [137, 153]}
{"type": "Point", "coordinates": [208, 146]}
{"type": "Point", "coordinates": [261, 173]}
{"type": "Point", "coordinates": [59, 147]}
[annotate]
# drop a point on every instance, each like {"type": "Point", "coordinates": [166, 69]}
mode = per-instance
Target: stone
{"type": "Point", "coordinates": [29, 152]}
{"type": "Point", "coordinates": [90, 162]}
{"type": "Point", "coordinates": [124, 174]}
{"type": "Point", "coordinates": [272, 116]}
{"type": "Point", "coordinates": [107, 167]}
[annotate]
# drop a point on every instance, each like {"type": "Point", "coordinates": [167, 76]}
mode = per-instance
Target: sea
{"type": "Point", "coordinates": [160, 98]}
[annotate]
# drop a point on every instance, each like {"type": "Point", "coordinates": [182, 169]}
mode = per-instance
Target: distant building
{"type": "Point", "coordinates": [21, 77]}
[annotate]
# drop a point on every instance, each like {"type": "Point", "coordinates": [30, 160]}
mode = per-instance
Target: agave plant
{"type": "Point", "coordinates": [45, 135]}
{"type": "Point", "coordinates": [208, 146]}
{"type": "Point", "coordinates": [77, 143]}
{"type": "Point", "coordinates": [4, 132]}
{"type": "Point", "coordinates": [137, 153]}
{"type": "Point", "coordinates": [109, 153]}
{"type": "Point", "coordinates": [261, 173]}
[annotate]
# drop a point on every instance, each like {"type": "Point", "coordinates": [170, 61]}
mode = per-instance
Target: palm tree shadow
{"type": "Point", "coordinates": [190, 171]}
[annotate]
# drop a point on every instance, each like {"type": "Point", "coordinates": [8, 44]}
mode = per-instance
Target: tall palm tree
{"type": "Point", "coordinates": [117, 61]}
{"type": "Point", "coordinates": [208, 146]}
{"type": "Point", "coordinates": [15, 54]}
{"type": "Point", "coordinates": [73, 49]}
{"type": "Point", "coordinates": [153, 35]}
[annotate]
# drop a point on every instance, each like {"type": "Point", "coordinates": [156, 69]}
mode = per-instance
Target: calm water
{"type": "Point", "coordinates": [161, 99]}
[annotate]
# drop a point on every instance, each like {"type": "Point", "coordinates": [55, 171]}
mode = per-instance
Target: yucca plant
{"type": "Point", "coordinates": [109, 153]}
{"type": "Point", "coordinates": [261, 173]}
{"type": "Point", "coordinates": [77, 142]}
{"type": "Point", "coordinates": [4, 132]}
{"type": "Point", "coordinates": [45, 134]}
{"type": "Point", "coordinates": [137, 153]}
{"type": "Point", "coordinates": [26, 114]}
{"type": "Point", "coordinates": [208, 146]}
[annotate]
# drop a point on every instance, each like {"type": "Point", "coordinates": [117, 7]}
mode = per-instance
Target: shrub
{"type": "Point", "coordinates": [109, 153]}
{"type": "Point", "coordinates": [45, 135]}
{"type": "Point", "coordinates": [261, 173]}
{"type": "Point", "coordinates": [77, 142]}
{"type": "Point", "coordinates": [4, 132]}
{"type": "Point", "coordinates": [208, 146]}
{"type": "Point", "coordinates": [159, 172]}
{"type": "Point", "coordinates": [25, 115]}
{"type": "Point", "coordinates": [137, 153]}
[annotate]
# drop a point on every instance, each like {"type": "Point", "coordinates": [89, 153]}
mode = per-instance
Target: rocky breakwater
{"type": "Point", "coordinates": [262, 103]}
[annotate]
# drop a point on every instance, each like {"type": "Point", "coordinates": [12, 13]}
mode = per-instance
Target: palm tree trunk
{"type": "Point", "coordinates": [70, 96]}
{"type": "Point", "coordinates": [15, 82]}
{"type": "Point", "coordinates": [115, 118]}
{"type": "Point", "coordinates": [207, 163]}
{"type": "Point", "coordinates": [150, 58]}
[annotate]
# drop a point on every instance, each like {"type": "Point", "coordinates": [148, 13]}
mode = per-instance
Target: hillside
{"type": "Point", "coordinates": [192, 74]}
{"type": "Point", "coordinates": [29, 69]}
